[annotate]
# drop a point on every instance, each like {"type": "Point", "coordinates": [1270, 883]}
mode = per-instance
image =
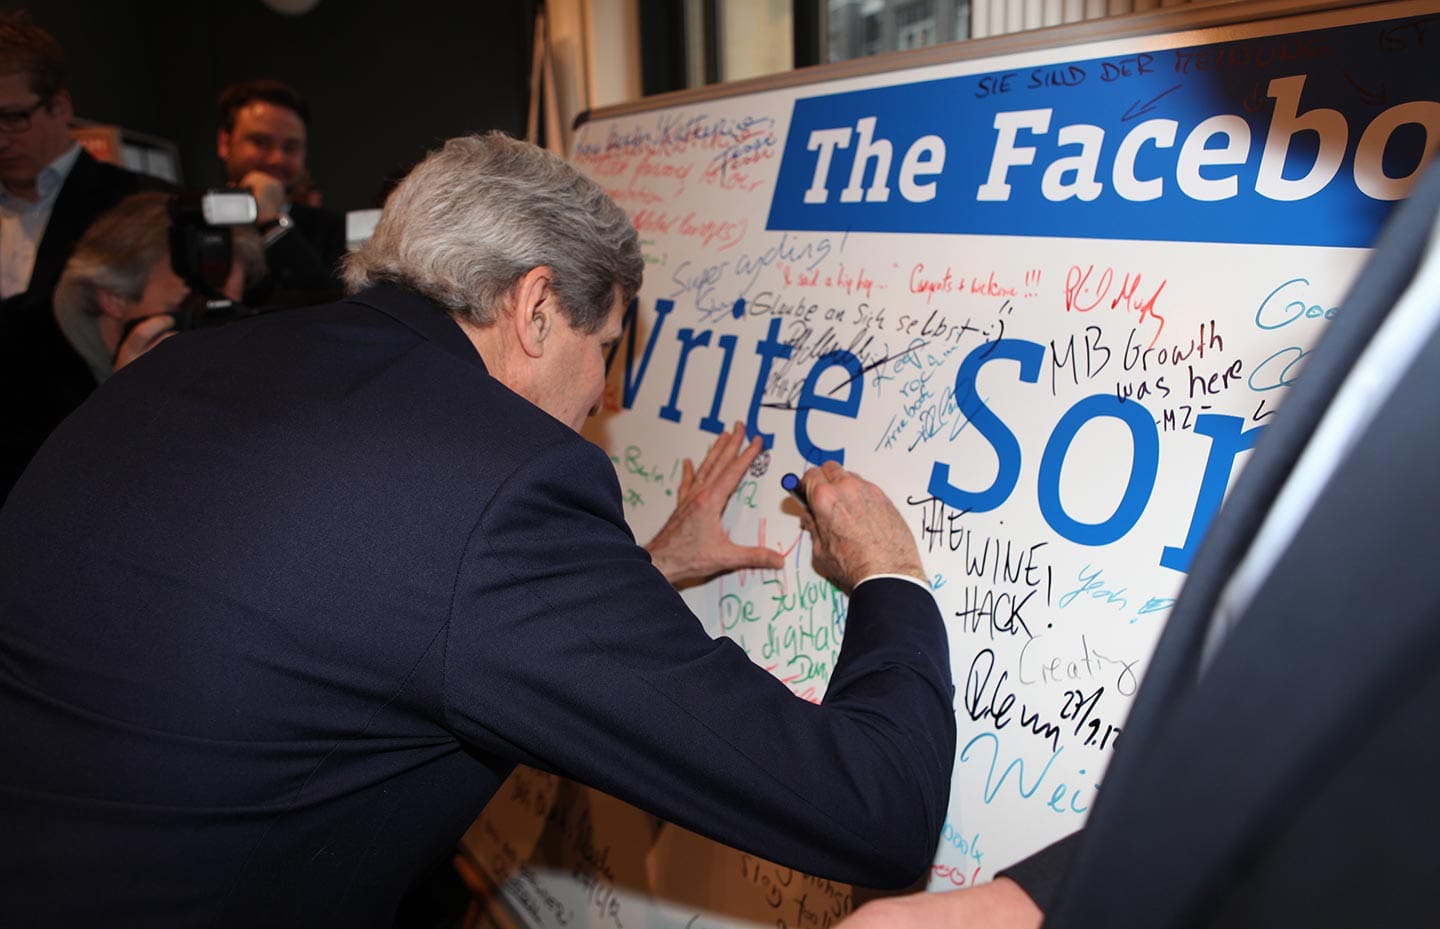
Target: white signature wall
{"type": "Point", "coordinates": [1048, 300]}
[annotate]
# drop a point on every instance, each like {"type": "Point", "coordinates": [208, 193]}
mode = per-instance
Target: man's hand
{"type": "Point", "coordinates": [147, 334]}
{"type": "Point", "coordinates": [1000, 904]}
{"type": "Point", "coordinates": [857, 531]}
{"type": "Point", "coordinates": [693, 545]}
{"type": "Point", "coordinates": [269, 195]}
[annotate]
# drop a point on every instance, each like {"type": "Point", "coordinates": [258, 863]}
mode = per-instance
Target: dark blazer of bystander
{"type": "Point", "coordinates": [41, 377]}
{"type": "Point", "coordinates": [1290, 781]}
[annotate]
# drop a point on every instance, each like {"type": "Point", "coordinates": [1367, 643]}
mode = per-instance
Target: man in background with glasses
{"type": "Point", "coordinates": [50, 193]}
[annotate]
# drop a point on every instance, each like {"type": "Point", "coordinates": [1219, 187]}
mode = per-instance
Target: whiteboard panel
{"type": "Point", "coordinates": [1048, 299]}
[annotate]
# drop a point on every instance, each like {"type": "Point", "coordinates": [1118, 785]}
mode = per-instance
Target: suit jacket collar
{"type": "Point", "coordinates": [48, 183]}
{"type": "Point", "coordinates": [422, 315]}
{"type": "Point", "coordinates": [73, 212]}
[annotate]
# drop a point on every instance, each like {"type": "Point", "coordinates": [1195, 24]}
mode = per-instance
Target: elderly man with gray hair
{"type": "Point", "coordinates": [119, 293]}
{"type": "Point", "coordinates": [283, 605]}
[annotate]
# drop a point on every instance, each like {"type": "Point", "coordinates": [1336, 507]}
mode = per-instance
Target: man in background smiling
{"type": "Point", "coordinates": [263, 139]}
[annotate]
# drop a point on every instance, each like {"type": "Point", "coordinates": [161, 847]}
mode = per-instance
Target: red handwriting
{"type": "Point", "coordinates": [610, 165]}
{"type": "Point", "coordinates": [672, 135]}
{"type": "Point", "coordinates": [954, 875]}
{"type": "Point", "coordinates": [728, 167]}
{"type": "Point", "coordinates": [744, 577]}
{"type": "Point", "coordinates": [990, 287]}
{"type": "Point", "coordinates": [946, 282]}
{"type": "Point", "coordinates": [920, 283]}
{"type": "Point", "coordinates": [721, 232]}
{"type": "Point", "coordinates": [648, 220]}
{"type": "Point", "coordinates": [633, 194]}
{"type": "Point", "coordinates": [730, 177]}
{"type": "Point", "coordinates": [651, 166]}
{"type": "Point", "coordinates": [841, 279]}
{"type": "Point", "coordinates": [709, 231]}
{"type": "Point", "coordinates": [1085, 290]}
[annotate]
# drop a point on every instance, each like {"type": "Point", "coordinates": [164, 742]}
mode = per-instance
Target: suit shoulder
{"type": "Point", "coordinates": [332, 222]}
{"type": "Point", "coordinates": [131, 181]}
{"type": "Point", "coordinates": [91, 176]}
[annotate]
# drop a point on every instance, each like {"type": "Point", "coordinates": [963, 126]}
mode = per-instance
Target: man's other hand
{"type": "Point", "coordinates": [857, 531]}
{"type": "Point", "coordinates": [269, 195]}
{"type": "Point", "coordinates": [1000, 904]}
{"type": "Point", "coordinates": [693, 545]}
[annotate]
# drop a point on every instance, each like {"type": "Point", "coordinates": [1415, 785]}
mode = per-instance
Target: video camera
{"type": "Point", "coordinates": [201, 250]}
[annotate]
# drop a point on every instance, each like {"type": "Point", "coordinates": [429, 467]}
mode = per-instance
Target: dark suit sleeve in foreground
{"type": "Point", "coordinates": [568, 650]}
{"type": "Point", "coordinates": [1042, 874]}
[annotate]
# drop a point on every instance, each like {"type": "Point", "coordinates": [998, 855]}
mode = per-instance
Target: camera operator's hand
{"type": "Point", "coordinates": [269, 195]}
{"type": "Point", "coordinates": [147, 334]}
{"type": "Point", "coordinates": [857, 531]}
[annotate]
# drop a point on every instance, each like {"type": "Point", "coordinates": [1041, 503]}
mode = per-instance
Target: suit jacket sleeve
{"type": "Point", "coordinates": [303, 263]}
{"type": "Point", "coordinates": [1042, 874]}
{"type": "Point", "coordinates": [568, 650]}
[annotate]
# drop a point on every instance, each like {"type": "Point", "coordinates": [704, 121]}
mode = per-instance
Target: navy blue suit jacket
{"type": "Point", "coordinates": [283, 603]}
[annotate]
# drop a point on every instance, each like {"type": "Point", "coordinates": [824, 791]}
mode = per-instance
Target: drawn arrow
{"type": "Point", "coordinates": [1373, 97]}
{"type": "Point", "coordinates": [1132, 113]}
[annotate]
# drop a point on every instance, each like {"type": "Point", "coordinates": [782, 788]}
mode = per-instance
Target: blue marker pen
{"type": "Point", "coordinates": [794, 488]}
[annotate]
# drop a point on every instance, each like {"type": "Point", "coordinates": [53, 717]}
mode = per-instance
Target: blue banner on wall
{"type": "Point", "coordinates": [1300, 139]}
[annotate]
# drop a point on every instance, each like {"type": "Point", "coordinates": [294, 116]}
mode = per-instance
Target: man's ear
{"type": "Point", "coordinates": [111, 304]}
{"type": "Point", "coordinates": [222, 144]}
{"type": "Point", "coordinates": [536, 311]}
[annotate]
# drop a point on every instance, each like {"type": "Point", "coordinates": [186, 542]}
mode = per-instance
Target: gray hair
{"type": "Point", "coordinates": [474, 217]}
{"type": "Point", "coordinates": [116, 253]}
{"type": "Point", "coordinates": [121, 248]}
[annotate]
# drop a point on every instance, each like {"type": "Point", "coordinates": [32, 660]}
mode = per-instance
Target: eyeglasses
{"type": "Point", "coordinates": [17, 121]}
